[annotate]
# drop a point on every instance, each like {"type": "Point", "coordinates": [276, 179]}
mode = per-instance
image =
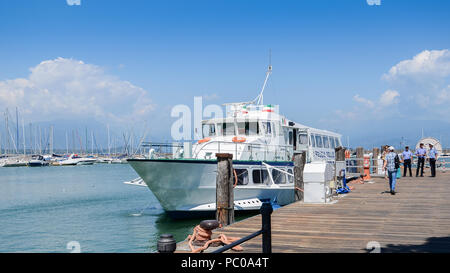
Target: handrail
{"type": "Point", "coordinates": [265, 231]}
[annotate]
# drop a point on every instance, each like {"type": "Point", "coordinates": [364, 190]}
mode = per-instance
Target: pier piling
{"type": "Point", "coordinates": [359, 159]}
{"type": "Point", "coordinates": [299, 166]}
{"type": "Point", "coordinates": [224, 189]}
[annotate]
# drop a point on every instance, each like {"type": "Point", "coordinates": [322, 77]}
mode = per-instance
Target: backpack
{"type": "Point", "coordinates": [397, 162]}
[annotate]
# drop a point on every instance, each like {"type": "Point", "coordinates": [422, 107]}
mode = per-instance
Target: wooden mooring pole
{"type": "Point", "coordinates": [299, 166]}
{"type": "Point", "coordinates": [375, 153]}
{"type": "Point", "coordinates": [339, 163]}
{"type": "Point", "coordinates": [360, 159]}
{"type": "Point", "coordinates": [224, 189]}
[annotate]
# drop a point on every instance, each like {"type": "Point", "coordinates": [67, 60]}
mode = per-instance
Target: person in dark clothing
{"type": "Point", "coordinates": [407, 156]}
{"type": "Point", "coordinates": [420, 153]}
{"type": "Point", "coordinates": [433, 156]}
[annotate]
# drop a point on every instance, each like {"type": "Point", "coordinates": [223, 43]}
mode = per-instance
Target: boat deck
{"type": "Point", "coordinates": [416, 219]}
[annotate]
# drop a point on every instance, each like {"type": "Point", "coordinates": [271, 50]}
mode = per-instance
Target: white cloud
{"type": "Point", "coordinates": [428, 63]}
{"type": "Point", "coordinates": [364, 101]}
{"type": "Point", "coordinates": [389, 97]}
{"type": "Point", "coordinates": [68, 88]}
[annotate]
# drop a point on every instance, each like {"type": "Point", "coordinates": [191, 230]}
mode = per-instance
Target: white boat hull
{"type": "Point", "coordinates": [188, 186]}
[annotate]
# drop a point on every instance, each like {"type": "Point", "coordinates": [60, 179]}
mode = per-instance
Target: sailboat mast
{"type": "Point", "coordinates": [17, 129]}
{"type": "Point", "coordinates": [109, 147]}
{"type": "Point", "coordinates": [23, 134]}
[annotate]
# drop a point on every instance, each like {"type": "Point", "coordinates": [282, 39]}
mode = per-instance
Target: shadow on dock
{"type": "Point", "coordinates": [432, 245]}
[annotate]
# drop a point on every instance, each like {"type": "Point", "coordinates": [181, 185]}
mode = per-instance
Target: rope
{"type": "Point", "coordinates": [200, 235]}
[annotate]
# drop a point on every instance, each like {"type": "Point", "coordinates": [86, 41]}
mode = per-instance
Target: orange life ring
{"type": "Point", "coordinates": [239, 139]}
{"type": "Point", "coordinates": [206, 139]}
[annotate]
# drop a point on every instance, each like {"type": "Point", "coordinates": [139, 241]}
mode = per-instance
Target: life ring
{"type": "Point", "coordinates": [206, 139]}
{"type": "Point", "coordinates": [239, 139]}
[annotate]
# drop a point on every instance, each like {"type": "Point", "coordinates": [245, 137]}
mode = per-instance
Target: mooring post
{"type": "Point", "coordinates": [299, 166]}
{"type": "Point", "coordinates": [266, 211]}
{"type": "Point", "coordinates": [224, 189]}
{"type": "Point", "coordinates": [375, 153]}
{"type": "Point", "coordinates": [360, 159]}
{"type": "Point", "coordinates": [166, 244]}
{"type": "Point", "coordinates": [339, 164]}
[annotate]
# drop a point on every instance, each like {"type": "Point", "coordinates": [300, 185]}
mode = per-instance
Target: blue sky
{"type": "Point", "coordinates": [331, 62]}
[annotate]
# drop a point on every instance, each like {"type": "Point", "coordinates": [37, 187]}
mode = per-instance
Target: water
{"type": "Point", "coordinates": [42, 209]}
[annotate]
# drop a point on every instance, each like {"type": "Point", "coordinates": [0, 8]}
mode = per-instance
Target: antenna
{"type": "Point", "coordinates": [260, 97]}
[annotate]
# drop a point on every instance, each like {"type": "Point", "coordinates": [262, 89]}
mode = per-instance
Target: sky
{"type": "Point", "coordinates": [377, 74]}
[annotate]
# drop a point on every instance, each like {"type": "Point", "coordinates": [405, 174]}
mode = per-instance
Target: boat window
{"type": "Point", "coordinates": [278, 177]}
{"type": "Point", "coordinates": [242, 176]}
{"type": "Point", "coordinates": [338, 142]}
{"type": "Point", "coordinates": [242, 128]}
{"type": "Point", "coordinates": [319, 141]}
{"type": "Point", "coordinates": [290, 178]}
{"type": "Point", "coordinates": [267, 128]}
{"type": "Point", "coordinates": [312, 140]}
{"type": "Point", "coordinates": [326, 143]}
{"type": "Point", "coordinates": [248, 128]}
{"type": "Point", "coordinates": [209, 130]}
{"type": "Point", "coordinates": [290, 137]}
{"type": "Point", "coordinates": [228, 129]}
{"type": "Point", "coordinates": [332, 143]}
{"type": "Point", "coordinates": [303, 138]}
{"type": "Point", "coordinates": [260, 176]}
{"type": "Point", "coordinates": [219, 129]}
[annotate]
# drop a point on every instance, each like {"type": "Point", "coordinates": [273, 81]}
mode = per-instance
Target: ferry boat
{"type": "Point", "coordinates": [262, 143]}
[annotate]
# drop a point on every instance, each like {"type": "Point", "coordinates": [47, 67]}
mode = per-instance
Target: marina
{"type": "Point", "coordinates": [243, 128]}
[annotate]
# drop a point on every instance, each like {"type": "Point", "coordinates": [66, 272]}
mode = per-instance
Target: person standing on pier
{"type": "Point", "coordinates": [391, 165]}
{"type": "Point", "coordinates": [420, 153]}
{"type": "Point", "coordinates": [432, 153]}
{"type": "Point", "coordinates": [407, 156]}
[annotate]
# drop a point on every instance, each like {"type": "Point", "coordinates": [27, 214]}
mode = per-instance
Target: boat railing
{"type": "Point", "coordinates": [246, 151]}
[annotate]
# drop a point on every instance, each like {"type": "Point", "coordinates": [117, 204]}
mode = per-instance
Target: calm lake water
{"type": "Point", "coordinates": [42, 209]}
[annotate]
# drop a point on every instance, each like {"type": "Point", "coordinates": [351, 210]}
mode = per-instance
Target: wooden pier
{"type": "Point", "coordinates": [416, 219]}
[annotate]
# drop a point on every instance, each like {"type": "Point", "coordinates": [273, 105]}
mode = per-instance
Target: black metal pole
{"type": "Point", "coordinates": [266, 211]}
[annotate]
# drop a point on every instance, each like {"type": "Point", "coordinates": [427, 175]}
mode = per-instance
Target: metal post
{"type": "Point", "coordinates": [166, 244]}
{"type": "Point", "coordinates": [266, 211]}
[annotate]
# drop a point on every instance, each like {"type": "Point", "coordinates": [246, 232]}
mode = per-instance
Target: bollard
{"type": "Point", "coordinates": [166, 244]}
{"type": "Point", "coordinates": [224, 189]}
{"type": "Point", "coordinates": [299, 166]}
{"type": "Point", "coordinates": [266, 211]}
